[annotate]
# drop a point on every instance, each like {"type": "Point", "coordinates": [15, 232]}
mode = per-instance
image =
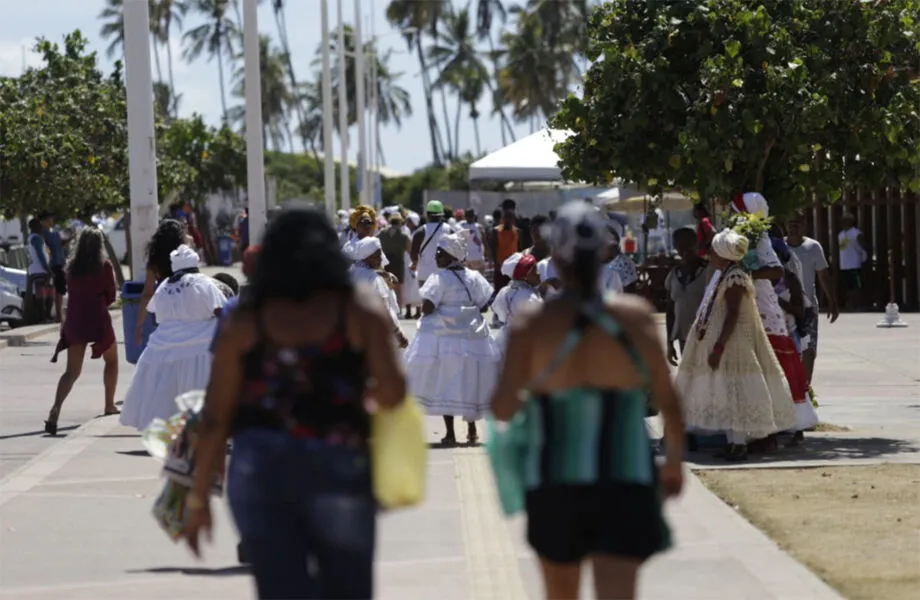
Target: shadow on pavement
{"type": "Point", "coordinates": [195, 571]}
{"type": "Point", "coordinates": [118, 435]}
{"type": "Point", "coordinates": [37, 433]}
{"type": "Point", "coordinates": [820, 448]}
{"type": "Point", "coordinates": [143, 453]}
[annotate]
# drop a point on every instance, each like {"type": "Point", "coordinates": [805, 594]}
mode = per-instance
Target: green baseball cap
{"type": "Point", "coordinates": [435, 207]}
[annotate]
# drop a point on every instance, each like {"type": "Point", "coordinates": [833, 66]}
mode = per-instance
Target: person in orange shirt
{"type": "Point", "coordinates": [507, 242]}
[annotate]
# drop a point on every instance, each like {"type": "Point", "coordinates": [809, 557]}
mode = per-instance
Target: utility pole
{"type": "Point", "coordinates": [328, 156]}
{"type": "Point", "coordinates": [343, 115]}
{"type": "Point", "coordinates": [359, 90]}
{"type": "Point", "coordinates": [255, 160]}
{"type": "Point", "coordinates": [142, 170]}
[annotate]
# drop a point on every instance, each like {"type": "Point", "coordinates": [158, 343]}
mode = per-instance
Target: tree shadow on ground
{"type": "Point", "coordinates": [195, 571]}
{"type": "Point", "coordinates": [828, 448]}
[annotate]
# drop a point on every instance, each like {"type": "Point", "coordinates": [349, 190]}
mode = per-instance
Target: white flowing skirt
{"type": "Point", "coordinates": [177, 360]}
{"type": "Point", "coordinates": [452, 375]}
{"type": "Point", "coordinates": [411, 295]}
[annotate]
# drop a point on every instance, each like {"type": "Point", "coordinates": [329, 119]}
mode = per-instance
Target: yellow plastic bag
{"type": "Point", "coordinates": [399, 451]}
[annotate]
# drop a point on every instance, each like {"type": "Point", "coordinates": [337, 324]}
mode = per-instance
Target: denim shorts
{"type": "Point", "coordinates": [306, 515]}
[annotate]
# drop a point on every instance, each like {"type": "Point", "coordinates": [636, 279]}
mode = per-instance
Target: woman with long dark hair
{"type": "Point", "coordinates": [292, 368]}
{"type": "Point", "coordinates": [580, 368]}
{"type": "Point", "coordinates": [170, 234]}
{"type": "Point", "coordinates": [177, 356]}
{"type": "Point", "coordinates": [91, 281]}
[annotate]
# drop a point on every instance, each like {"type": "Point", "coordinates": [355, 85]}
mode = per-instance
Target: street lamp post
{"type": "Point", "coordinates": [328, 156]}
{"type": "Point", "coordinates": [359, 90]}
{"type": "Point", "coordinates": [343, 114]}
{"type": "Point", "coordinates": [255, 165]}
{"type": "Point", "coordinates": [142, 168]}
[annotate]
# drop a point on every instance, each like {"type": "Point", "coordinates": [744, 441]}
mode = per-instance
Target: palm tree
{"type": "Point", "coordinates": [486, 11]}
{"type": "Point", "coordinates": [536, 74]}
{"type": "Point", "coordinates": [166, 14]}
{"type": "Point", "coordinates": [393, 101]}
{"type": "Point", "coordinates": [463, 69]}
{"type": "Point", "coordinates": [277, 97]}
{"type": "Point", "coordinates": [414, 19]}
{"type": "Point", "coordinates": [214, 37]}
{"type": "Point", "coordinates": [165, 101]}
{"type": "Point", "coordinates": [113, 27]}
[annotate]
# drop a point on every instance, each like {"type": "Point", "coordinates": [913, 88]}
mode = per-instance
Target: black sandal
{"type": "Point", "coordinates": [449, 441]}
{"type": "Point", "coordinates": [737, 453]}
{"type": "Point", "coordinates": [51, 427]}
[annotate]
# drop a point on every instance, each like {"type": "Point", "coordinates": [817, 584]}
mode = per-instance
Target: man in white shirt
{"type": "Point", "coordinates": [851, 258]}
{"type": "Point", "coordinates": [425, 241]}
{"type": "Point", "coordinates": [478, 248]}
{"type": "Point", "coordinates": [814, 269]}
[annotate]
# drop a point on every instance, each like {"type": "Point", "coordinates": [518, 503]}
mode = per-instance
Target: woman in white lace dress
{"type": "Point", "coordinates": [453, 363]}
{"type": "Point", "coordinates": [729, 376]}
{"type": "Point", "coordinates": [521, 269]}
{"type": "Point", "coordinates": [177, 358]}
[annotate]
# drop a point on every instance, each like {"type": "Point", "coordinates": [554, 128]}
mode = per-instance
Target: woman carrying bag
{"type": "Point", "coordinates": [292, 368]}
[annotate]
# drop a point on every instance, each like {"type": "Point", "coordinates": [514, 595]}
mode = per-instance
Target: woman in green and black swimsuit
{"type": "Point", "coordinates": [581, 369]}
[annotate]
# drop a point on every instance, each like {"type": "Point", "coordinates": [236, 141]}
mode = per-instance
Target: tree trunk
{"type": "Point", "coordinates": [174, 109]}
{"type": "Point", "coordinates": [457, 128]}
{"type": "Point", "coordinates": [203, 222]}
{"type": "Point", "coordinates": [429, 104]}
{"type": "Point", "coordinates": [223, 92]}
{"type": "Point", "coordinates": [450, 141]}
{"type": "Point", "coordinates": [116, 260]}
{"type": "Point", "coordinates": [476, 133]}
{"type": "Point", "coordinates": [501, 109]}
{"type": "Point", "coordinates": [156, 57]}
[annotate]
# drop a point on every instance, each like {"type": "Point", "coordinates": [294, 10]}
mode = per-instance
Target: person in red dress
{"type": "Point", "coordinates": [91, 282]}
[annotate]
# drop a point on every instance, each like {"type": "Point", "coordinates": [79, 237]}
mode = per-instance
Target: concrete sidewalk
{"type": "Point", "coordinates": [76, 521]}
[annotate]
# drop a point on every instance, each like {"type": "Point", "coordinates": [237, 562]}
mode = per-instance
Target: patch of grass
{"type": "Point", "coordinates": [830, 428]}
{"type": "Point", "coordinates": [858, 528]}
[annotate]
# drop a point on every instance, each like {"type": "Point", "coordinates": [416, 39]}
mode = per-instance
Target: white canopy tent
{"type": "Point", "coordinates": [529, 159]}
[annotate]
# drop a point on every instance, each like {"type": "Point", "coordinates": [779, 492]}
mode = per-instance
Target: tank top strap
{"type": "Point", "coordinates": [612, 327]}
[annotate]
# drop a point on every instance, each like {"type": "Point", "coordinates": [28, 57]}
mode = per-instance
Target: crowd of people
{"type": "Point", "coordinates": [576, 366]}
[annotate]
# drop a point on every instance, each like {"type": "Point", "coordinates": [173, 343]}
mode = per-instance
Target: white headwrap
{"type": "Point", "coordinates": [366, 247]}
{"type": "Point", "coordinates": [414, 218]}
{"type": "Point", "coordinates": [511, 263]}
{"type": "Point", "coordinates": [754, 203]}
{"type": "Point", "coordinates": [730, 245]}
{"type": "Point", "coordinates": [183, 258]}
{"type": "Point", "coordinates": [455, 244]}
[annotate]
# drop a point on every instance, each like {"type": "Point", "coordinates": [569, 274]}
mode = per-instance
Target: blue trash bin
{"type": "Point", "coordinates": [130, 307]}
{"type": "Point", "coordinates": [225, 250]}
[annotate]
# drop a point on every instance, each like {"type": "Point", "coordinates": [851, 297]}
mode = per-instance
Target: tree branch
{"type": "Point", "coordinates": [758, 181]}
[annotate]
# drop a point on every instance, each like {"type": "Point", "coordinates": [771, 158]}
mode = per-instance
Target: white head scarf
{"type": "Point", "coordinates": [367, 247]}
{"type": "Point", "coordinates": [730, 245]}
{"type": "Point", "coordinates": [183, 258]}
{"type": "Point", "coordinates": [511, 263]}
{"type": "Point", "coordinates": [414, 218]}
{"type": "Point", "coordinates": [754, 203]}
{"type": "Point", "coordinates": [455, 244]}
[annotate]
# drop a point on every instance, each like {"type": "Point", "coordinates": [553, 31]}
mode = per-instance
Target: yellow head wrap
{"type": "Point", "coordinates": [361, 211]}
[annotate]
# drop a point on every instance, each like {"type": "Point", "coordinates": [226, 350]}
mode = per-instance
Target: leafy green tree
{"type": "Point", "coordinates": [787, 97]}
{"type": "Point", "coordinates": [63, 134]}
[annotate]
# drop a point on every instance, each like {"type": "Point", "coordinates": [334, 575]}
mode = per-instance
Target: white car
{"type": "Point", "coordinates": [12, 291]}
{"type": "Point", "coordinates": [114, 229]}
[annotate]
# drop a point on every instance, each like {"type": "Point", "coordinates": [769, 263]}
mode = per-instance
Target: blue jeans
{"type": "Point", "coordinates": [306, 515]}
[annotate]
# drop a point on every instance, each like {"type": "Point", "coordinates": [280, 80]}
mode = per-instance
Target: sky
{"type": "Point", "coordinates": [405, 149]}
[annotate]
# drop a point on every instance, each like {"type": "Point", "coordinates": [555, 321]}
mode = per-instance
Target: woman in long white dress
{"type": "Point", "coordinates": [177, 358]}
{"type": "Point", "coordinates": [521, 269]}
{"type": "Point", "coordinates": [369, 259]}
{"type": "Point", "coordinates": [453, 362]}
{"type": "Point", "coordinates": [729, 376]}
